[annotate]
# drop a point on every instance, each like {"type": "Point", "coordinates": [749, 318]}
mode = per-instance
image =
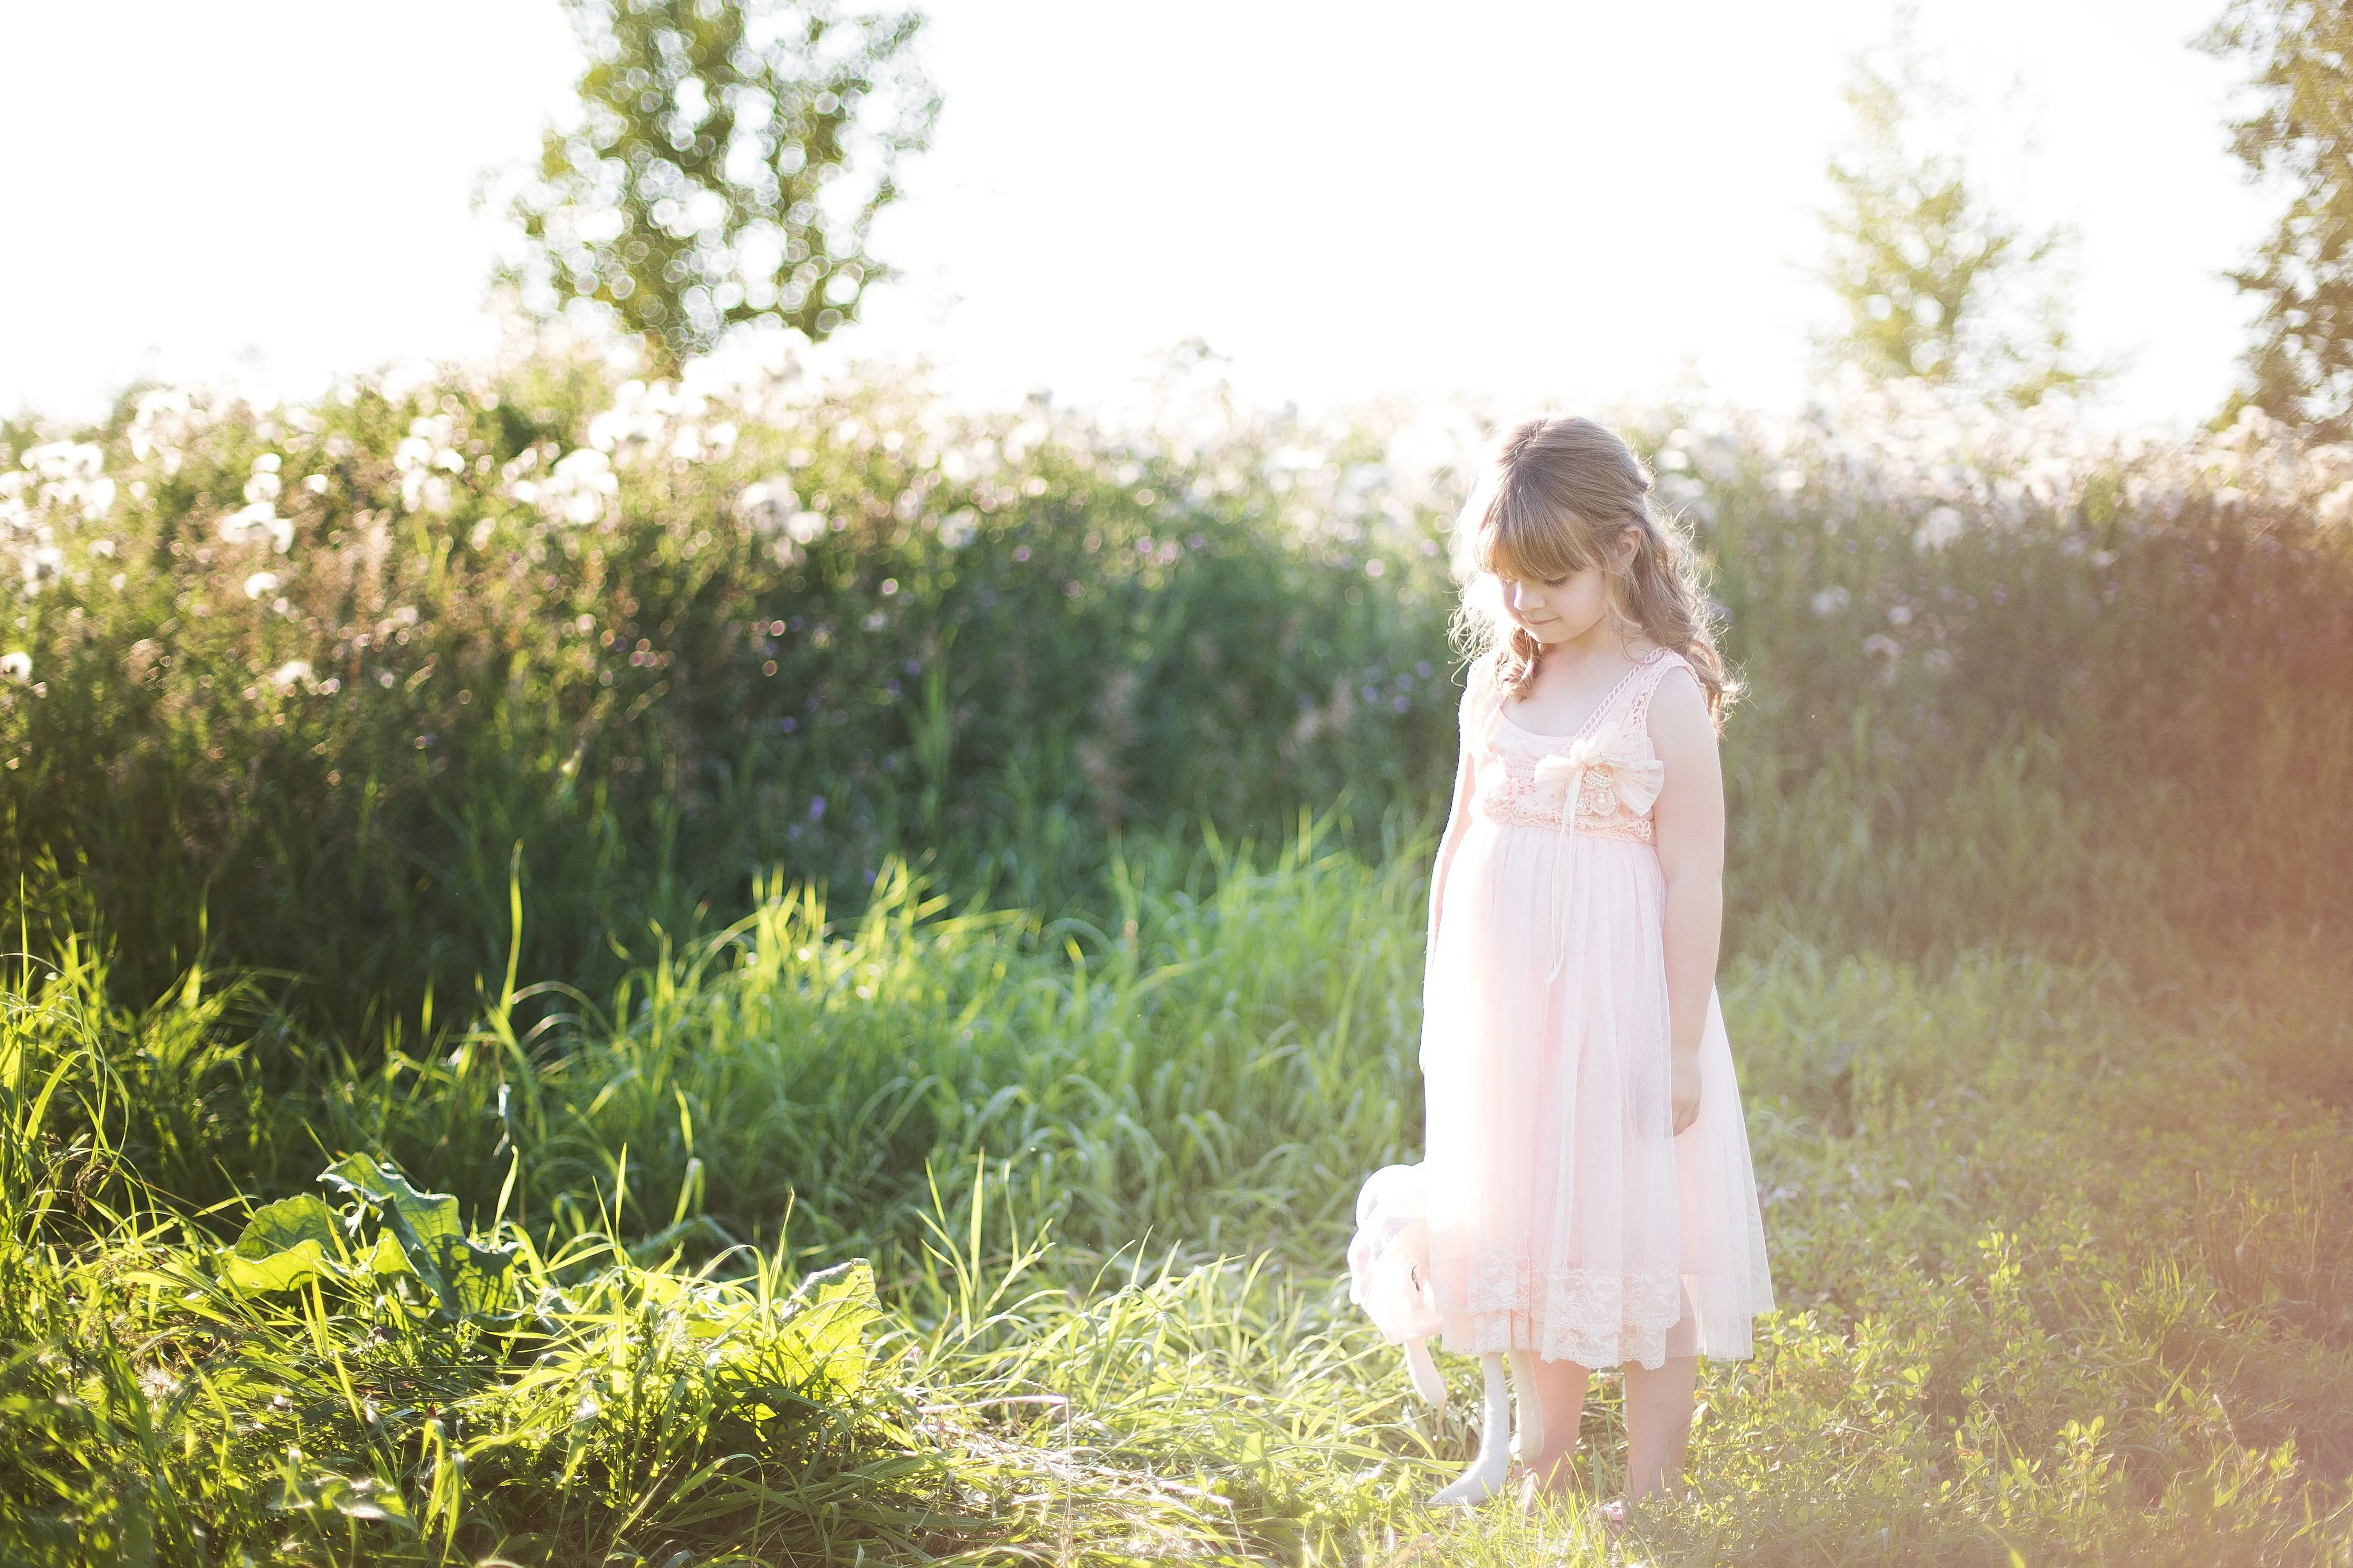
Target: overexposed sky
{"type": "Point", "coordinates": [1509, 199]}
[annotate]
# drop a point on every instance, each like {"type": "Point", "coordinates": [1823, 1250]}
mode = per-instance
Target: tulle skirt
{"type": "Point", "coordinates": [1560, 1213]}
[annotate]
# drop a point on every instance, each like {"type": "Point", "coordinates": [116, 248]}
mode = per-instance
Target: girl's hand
{"type": "Point", "coordinates": [1686, 1090]}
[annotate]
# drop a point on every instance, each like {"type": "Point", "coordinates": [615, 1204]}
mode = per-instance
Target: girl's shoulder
{"type": "Point", "coordinates": [1481, 685]}
{"type": "Point", "coordinates": [1482, 698]}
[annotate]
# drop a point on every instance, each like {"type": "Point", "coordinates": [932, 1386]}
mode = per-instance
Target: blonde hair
{"type": "Point", "coordinates": [1555, 499]}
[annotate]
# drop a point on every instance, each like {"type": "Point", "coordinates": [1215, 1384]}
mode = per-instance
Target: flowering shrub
{"type": "Point", "coordinates": [2011, 677]}
{"type": "Point", "coordinates": [319, 671]}
{"type": "Point", "coordinates": [324, 668]}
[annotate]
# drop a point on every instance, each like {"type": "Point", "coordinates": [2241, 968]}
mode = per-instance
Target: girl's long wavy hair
{"type": "Point", "coordinates": [1556, 499]}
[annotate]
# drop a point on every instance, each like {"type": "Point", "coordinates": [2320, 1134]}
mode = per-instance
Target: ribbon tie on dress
{"type": "Point", "coordinates": [1629, 773]}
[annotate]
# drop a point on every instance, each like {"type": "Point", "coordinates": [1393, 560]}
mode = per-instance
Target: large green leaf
{"type": "Point", "coordinates": [826, 1338]}
{"type": "Point", "coordinates": [467, 1279]}
{"type": "Point", "coordinates": [284, 1245]}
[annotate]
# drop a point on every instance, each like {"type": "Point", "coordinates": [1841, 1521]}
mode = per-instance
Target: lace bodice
{"type": "Point", "coordinates": [1602, 780]}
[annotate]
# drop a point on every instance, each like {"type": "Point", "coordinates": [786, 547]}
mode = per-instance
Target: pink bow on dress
{"type": "Point", "coordinates": [1634, 775]}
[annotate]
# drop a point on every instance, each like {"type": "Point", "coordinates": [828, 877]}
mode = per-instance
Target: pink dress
{"type": "Point", "coordinates": [1564, 1215]}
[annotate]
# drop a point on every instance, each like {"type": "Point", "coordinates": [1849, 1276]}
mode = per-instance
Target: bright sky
{"type": "Point", "coordinates": [1510, 199]}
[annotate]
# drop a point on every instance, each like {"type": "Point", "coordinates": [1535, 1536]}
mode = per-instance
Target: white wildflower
{"type": "Point", "coordinates": [2337, 506]}
{"type": "Point", "coordinates": [582, 487]}
{"type": "Point", "coordinates": [1831, 600]}
{"type": "Point", "coordinates": [768, 505]}
{"type": "Point", "coordinates": [292, 673]}
{"type": "Point", "coordinates": [41, 565]}
{"type": "Point", "coordinates": [71, 476]}
{"type": "Point", "coordinates": [16, 665]}
{"type": "Point", "coordinates": [1942, 527]}
{"type": "Point", "coordinates": [426, 454]}
{"type": "Point", "coordinates": [241, 526]}
{"type": "Point", "coordinates": [260, 583]}
{"type": "Point", "coordinates": [161, 424]}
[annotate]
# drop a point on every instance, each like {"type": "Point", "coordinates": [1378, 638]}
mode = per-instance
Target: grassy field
{"type": "Point", "coordinates": [621, 975]}
{"type": "Point", "coordinates": [2064, 1270]}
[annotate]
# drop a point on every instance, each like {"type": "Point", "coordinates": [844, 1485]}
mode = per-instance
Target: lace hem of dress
{"type": "Point", "coordinates": [1594, 1317]}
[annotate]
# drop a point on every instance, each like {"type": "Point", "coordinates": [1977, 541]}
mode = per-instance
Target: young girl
{"type": "Point", "coordinates": [1586, 1174]}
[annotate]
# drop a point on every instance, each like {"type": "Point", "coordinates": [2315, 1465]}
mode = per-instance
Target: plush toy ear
{"type": "Point", "coordinates": [1527, 1410]}
{"type": "Point", "coordinates": [1424, 1373]}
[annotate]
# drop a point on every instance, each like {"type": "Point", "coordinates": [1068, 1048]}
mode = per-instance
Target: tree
{"type": "Point", "coordinates": [2300, 368]}
{"type": "Point", "coordinates": [730, 159]}
{"type": "Point", "coordinates": [1934, 284]}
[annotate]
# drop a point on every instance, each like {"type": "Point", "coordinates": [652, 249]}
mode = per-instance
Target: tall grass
{"type": "Point", "coordinates": [2061, 1274]}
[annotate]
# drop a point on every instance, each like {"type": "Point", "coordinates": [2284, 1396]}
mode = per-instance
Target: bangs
{"type": "Point", "coordinates": [1520, 537]}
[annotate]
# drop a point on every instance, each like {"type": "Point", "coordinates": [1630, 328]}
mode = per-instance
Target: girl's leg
{"type": "Point", "coordinates": [1560, 1396]}
{"type": "Point", "coordinates": [1658, 1424]}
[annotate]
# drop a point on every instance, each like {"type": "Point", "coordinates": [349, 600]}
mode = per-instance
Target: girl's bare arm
{"type": "Point", "coordinates": [1458, 820]}
{"type": "Point", "coordinates": [1688, 830]}
{"type": "Point", "coordinates": [1475, 695]}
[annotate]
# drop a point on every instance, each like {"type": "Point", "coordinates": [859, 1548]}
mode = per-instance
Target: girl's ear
{"type": "Point", "coordinates": [1629, 546]}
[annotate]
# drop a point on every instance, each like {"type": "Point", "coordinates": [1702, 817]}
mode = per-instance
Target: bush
{"type": "Point", "coordinates": [313, 675]}
{"type": "Point", "coordinates": [322, 686]}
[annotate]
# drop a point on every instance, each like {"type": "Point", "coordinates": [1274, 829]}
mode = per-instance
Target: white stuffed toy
{"type": "Point", "coordinates": [1388, 1277]}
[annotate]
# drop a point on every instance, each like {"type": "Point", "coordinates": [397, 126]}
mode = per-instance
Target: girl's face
{"type": "Point", "coordinates": [1559, 611]}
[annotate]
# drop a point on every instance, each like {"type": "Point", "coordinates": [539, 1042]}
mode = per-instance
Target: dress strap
{"type": "Point", "coordinates": [1657, 668]}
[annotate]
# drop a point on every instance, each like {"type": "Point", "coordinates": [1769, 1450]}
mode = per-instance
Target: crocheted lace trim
{"type": "Point", "coordinates": [1594, 1317]}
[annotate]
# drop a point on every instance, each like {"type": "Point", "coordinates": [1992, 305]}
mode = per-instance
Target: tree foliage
{"type": "Point", "coordinates": [1930, 278]}
{"type": "Point", "coordinates": [2300, 368]}
{"type": "Point", "coordinates": [729, 162]}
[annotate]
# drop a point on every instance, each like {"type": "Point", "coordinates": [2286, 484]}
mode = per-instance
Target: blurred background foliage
{"type": "Point", "coordinates": [1933, 282]}
{"type": "Point", "coordinates": [296, 683]}
{"type": "Point", "coordinates": [2296, 136]}
{"type": "Point", "coordinates": [726, 166]}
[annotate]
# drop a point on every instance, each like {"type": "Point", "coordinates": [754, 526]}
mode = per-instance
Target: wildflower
{"type": "Point", "coordinates": [1942, 527]}
{"type": "Point", "coordinates": [581, 489]}
{"type": "Point", "coordinates": [1831, 600]}
{"type": "Point", "coordinates": [41, 565]}
{"type": "Point", "coordinates": [292, 673]}
{"type": "Point", "coordinates": [259, 517]}
{"type": "Point", "coordinates": [70, 475]}
{"type": "Point", "coordinates": [16, 665]}
{"type": "Point", "coordinates": [957, 529]}
{"type": "Point", "coordinates": [260, 583]}
{"type": "Point", "coordinates": [768, 505]}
